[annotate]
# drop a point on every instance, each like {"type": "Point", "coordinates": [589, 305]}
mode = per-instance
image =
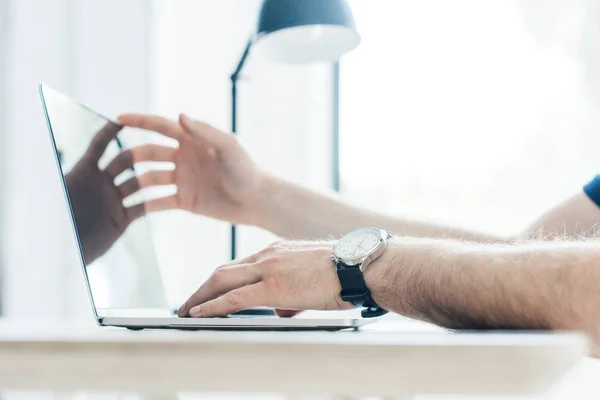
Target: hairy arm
{"type": "Point", "coordinates": [578, 216]}
{"type": "Point", "coordinates": [292, 211]}
{"type": "Point", "coordinates": [217, 178]}
{"type": "Point", "coordinates": [461, 285]}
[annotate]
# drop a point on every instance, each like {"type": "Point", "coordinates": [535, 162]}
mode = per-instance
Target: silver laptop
{"type": "Point", "coordinates": [119, 262]}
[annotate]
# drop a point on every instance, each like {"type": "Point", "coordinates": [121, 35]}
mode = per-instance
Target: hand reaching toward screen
{"type": "Point", "coordinates": [214, 175]}
{"type": "Point", "coordinates": [97, 203]}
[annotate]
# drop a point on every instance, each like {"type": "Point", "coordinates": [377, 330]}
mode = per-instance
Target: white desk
{"type": "Point", "coordinates": [372, 362]}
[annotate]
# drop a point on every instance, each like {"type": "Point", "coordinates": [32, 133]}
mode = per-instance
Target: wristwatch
{"type": "Point", "coordinates": [351, 255]}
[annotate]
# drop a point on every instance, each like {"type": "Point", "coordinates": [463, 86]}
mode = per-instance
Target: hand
{"type": "Point", "coordinates": [214, 175]}
{"type": "Point", "coordinates": [288, 276]}
{"type": "Point", "coordinates": [97, 203]}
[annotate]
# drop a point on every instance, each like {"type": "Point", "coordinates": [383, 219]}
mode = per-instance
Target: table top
{"type": "Point", "coordinates": [383, 359]}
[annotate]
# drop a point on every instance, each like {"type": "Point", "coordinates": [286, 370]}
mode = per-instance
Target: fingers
{"type": "Point", "coordinates": [102, 139]}
{"type": "Point", "coordinates": [153, 123]}
{"type": "Point", "coordinates": [246, 260]}
{"type": "Point", "coordinates": [149, 179]}
{"type": "Point", "coordinates": [205, 132]}
{"type": "Point", "coordinates": [129, 187]}
{"type": "Point", "coordinates": [126, 159]}
{"type": "Point", "coordinates": [156, 178]}
{"type": "Point", "coordinates": [153, 153]}
{"type": "Point", "coordinates": [146, 153]}
{"type": "Point", "coordinates": [223, 280]}
{"type": "Point", "coordinates": [162, 204]}
{"type": "Point", "coordinates": [135, 212]}
{"type": "Point", "coordinates": [122, 162]}
{"type": "Point", "coordinates": [184, 309]}
{"type": "Point", "coordinates": [231, 302]}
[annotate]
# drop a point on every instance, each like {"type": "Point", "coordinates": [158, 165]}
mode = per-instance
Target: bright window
{"type": "Point", "coordinates": [461, 112]}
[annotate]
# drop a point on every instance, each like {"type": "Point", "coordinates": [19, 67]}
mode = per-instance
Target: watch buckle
{"type": "Point", "coordinates": [372, 312]}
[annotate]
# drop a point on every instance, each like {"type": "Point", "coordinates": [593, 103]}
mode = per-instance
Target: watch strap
{"type": "Point", "coordinates": [355, 290]}
{"type": "Point", "coordinates": [372, 310]}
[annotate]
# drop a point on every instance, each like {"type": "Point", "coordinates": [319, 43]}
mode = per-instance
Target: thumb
{"type": "Point", "coordinates": [205, 132]}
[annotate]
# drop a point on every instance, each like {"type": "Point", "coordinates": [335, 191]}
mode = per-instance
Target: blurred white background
{"type": "Point", "coordinates": [477, 114]}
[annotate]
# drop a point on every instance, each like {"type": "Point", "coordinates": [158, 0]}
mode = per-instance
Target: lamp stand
{"type": "Point", "coordinates": [234, 80]}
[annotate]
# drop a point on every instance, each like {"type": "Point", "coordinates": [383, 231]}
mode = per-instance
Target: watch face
{"type": "Point", "coordinates": [358, 244]}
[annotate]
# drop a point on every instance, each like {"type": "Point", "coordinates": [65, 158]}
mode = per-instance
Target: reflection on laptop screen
{"type": "Point", "coordinates": [113, 235]}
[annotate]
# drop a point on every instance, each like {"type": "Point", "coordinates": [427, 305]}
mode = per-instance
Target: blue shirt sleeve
{"type": "Point", "coordinates": [592, 190]}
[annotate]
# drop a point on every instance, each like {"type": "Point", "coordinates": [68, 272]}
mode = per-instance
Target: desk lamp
{"type": "Point", "coordinates": [297, 32]}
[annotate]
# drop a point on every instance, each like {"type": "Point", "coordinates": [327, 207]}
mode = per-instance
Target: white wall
{"type": "Point", "coordinates": [3, 135]}
{"type": "Point", "coordinates": [90, 50]}
{"type": "Point", "coordinates": [35, 225]}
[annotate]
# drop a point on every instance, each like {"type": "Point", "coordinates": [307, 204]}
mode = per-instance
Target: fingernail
{"type": "Point", "coordinates": [181, 310]}
{"type": "Point", "coordinates": [196, 311]}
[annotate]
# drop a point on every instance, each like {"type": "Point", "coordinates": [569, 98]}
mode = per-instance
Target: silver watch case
{"type": "Point", "coordinates": [363, 261]}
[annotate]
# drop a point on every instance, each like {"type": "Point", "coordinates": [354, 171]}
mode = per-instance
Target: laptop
{"type": "Point", "coordinates": [114, 241]}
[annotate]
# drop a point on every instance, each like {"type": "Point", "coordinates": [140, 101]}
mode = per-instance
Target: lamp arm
{"type": "Point", "coordinates": [236, 74]}
{"type": "Point", "coordinates": [234, 79]}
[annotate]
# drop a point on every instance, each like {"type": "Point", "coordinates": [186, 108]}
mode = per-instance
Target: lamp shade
{"type": "Point", "coordinates": [305, 31]}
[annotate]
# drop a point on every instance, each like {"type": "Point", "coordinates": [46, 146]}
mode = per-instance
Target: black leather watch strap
{"type": "Point", "coordinates": [355, 290]}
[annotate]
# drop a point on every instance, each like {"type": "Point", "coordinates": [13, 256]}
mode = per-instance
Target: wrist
{"type": "Point", "coordinates": [397, 278]}
{"type": "Point", "coordinates": [382, 274]}
{"type": "Point", "coordinates": [263, 209]}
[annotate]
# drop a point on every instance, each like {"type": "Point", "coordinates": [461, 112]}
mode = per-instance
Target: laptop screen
{"type": "Point", "coordinates": [112, 232]}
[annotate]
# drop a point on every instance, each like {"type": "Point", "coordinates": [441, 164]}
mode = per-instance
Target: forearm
{"type": "Point", "coordinates": [552, 285]}
{"type": "Point", "coordinates": [578, 216]}
{"type": "Point", "coordinates": [291, 211]}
